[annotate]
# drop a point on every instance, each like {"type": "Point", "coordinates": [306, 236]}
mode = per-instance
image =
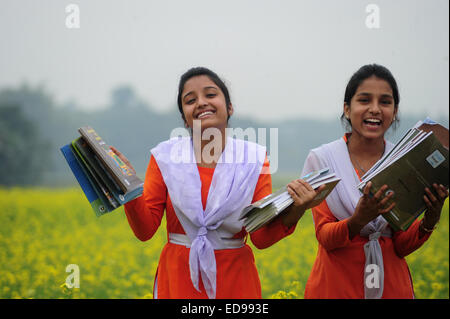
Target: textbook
{"type": "Point", "coordinates": [106, 180]}
{"type": "Point", "coordinates": [263, 211]}
{"type": "Point", "coordinates": [417, 161]}
{"type": "Point", "coordinates": [91, 193]}
{"type": "Point", "coordinates": [120, 172]}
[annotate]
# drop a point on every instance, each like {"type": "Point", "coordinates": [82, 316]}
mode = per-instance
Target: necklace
{"type": "Point", "coordinates": [354, 159]}
{"type": "Point", "coordinates": [357, 163]}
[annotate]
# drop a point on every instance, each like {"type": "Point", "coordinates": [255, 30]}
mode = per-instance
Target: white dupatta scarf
{"type": "Point", "coordinates": [343, 199]}
{"type": "Point", "coordinates": [232, 187]}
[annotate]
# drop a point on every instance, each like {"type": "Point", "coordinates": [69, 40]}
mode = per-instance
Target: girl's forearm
{"type": "Point", "coordinates": [292, 215]}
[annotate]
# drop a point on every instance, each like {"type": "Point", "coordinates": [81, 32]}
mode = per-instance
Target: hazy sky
{"type": "Point", "coordinates": [280, 59]}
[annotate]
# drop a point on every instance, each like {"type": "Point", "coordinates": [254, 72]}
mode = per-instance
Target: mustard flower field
{"type": "Point", "coordinates": [42, 231]}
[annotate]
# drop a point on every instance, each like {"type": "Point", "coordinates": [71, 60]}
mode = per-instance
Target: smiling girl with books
{"type": "Point", "coordinates": [359, 255]}
{"type": "Point", "coordinates": [206, 255]}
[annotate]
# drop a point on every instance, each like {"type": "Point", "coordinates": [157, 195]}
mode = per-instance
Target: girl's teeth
{"type": "Point", "coordinates": [370, 121]}
{"type": "Point", "coordinates": [203, 114]}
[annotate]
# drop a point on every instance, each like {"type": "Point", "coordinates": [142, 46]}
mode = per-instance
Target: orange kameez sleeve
{"type": "Point", "coordinates": [406, 242]}
{"type": "Point", "coordinates": [144, 214]}
{"type": "Point", "coordinates": [330, 232]}
{"type": "Point", "coordinates": [273, 232]}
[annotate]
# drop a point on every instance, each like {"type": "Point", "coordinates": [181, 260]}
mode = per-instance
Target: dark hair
{"type": "Point", "coordinates": [364, 73]}
{"type": "Point", "coordinates": [197, 71]}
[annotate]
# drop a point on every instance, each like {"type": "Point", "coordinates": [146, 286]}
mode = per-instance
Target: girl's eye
{"type": "Point", "coordinates": [190, 101]}
{"type": "Point", "coordinates": [211, 95]}
{"type": "Point", "coordinates": [363, 100]}
{"type": "Point", "coordinates": [386, 102]}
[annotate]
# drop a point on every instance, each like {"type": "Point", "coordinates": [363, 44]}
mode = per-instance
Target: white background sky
{"type": "Point", "coordinates": [280, 59]}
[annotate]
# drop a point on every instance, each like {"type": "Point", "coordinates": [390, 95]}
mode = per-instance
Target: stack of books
{"type": "Point", "coordinates": [104, 178]}
{"type": "Point", "coordinates": [418, 160]}
{"type": "Point", "coordinates": [263, 211]}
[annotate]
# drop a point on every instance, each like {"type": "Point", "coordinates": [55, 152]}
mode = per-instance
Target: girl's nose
{"type": "Point", "coordinates": [202, 101]}
{"type": "Point", "coordinates": [374, 107]}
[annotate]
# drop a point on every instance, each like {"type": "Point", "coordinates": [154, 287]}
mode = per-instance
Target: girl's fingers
{"type": "Point", "coordinates": [380, 193]}
{"type": "Point", "coordinates": [293, 194]}
{"type": "Point", "coordinates": [441, 191]}
{"type": "Point", "coordinates": [432, 198]}
{"type": "Point", "coordinates": [121, 156]}
{"type": "Point", "coordinates": [444, 190]}
{"type": "Point", "coordinates": [307, 192]}
{"type": "Point", "coordinates": [427, 202]}
{"type": "Point", "coordinates": [305, 184]}
{"type": "Point", "coordinates": [300, 193]}
{"type": "Point", "coordinates": [320, 189]}
{"type": "Point", "coordinates": [384, 201]}
{"type": "Point", "coordinates": [366, 189]}
{"type": "Point", "coordinates": [291, 190]}
{"type": "Point", "coordinates": [298, 187]}
{"type": "Point", "coordinates": [291, 185]}
{"type": "Point", "coordinates": [115, 150]}
{"type": "Point", "coordinates": [387, 210]}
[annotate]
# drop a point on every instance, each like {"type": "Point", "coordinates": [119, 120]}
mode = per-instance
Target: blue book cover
{"type": "Point", "coordinates": [92, 196]}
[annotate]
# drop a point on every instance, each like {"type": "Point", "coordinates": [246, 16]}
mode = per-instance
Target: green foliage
{"type": "Point", "coordinates": [23, 154]}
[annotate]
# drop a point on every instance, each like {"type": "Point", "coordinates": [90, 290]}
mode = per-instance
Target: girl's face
{"type": "Point", "coordinates": [203, 100]}
{"type": "Point", "coordinates": [371, 110]}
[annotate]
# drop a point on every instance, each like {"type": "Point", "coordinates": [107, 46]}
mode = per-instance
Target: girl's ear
{"type": "Point", "coordinates": [230, 109]}
{"type": "Point", "coordinates": [347, 111]}
{"type": "Point", "coordinates": [395, 113]}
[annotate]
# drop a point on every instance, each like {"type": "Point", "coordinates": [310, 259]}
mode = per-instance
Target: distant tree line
{"type": "Point", "coordinates": [23, 153]}
{"type": "Point", "coordinates": [33, 128]}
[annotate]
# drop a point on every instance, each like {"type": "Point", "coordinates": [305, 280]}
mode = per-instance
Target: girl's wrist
{"type": "Point", "coordinates": [354, 225]}
{"type": "Point", "coordinates": [425, 227]}
{"type": "Point", "coordinates": [358, 221]}
{"type": "Point", "coordinates": [293, 215]}
{"type": "Point", "coordinates": [428, 225]}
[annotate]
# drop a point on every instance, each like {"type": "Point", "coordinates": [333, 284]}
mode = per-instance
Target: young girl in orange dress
{"type": "Point", "coordinates": [206, 255]}
{"type": "Point", "coordinates": [354, 239]}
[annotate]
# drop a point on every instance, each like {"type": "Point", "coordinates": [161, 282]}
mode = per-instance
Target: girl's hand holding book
{"type": "Point", "coordinates": [434, 206]}
{"type": "Point", "coordinates": [369, 208]}
{"type": "Point", "coordinates": [303, 195]}
{"type": "Point", "coordinates": [123, 158]}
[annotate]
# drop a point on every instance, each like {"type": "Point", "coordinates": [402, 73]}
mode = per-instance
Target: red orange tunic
{"type": "Point", "coordinates": [338, 271]}
{"type": "Point", "coordinates": [237, 276]}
